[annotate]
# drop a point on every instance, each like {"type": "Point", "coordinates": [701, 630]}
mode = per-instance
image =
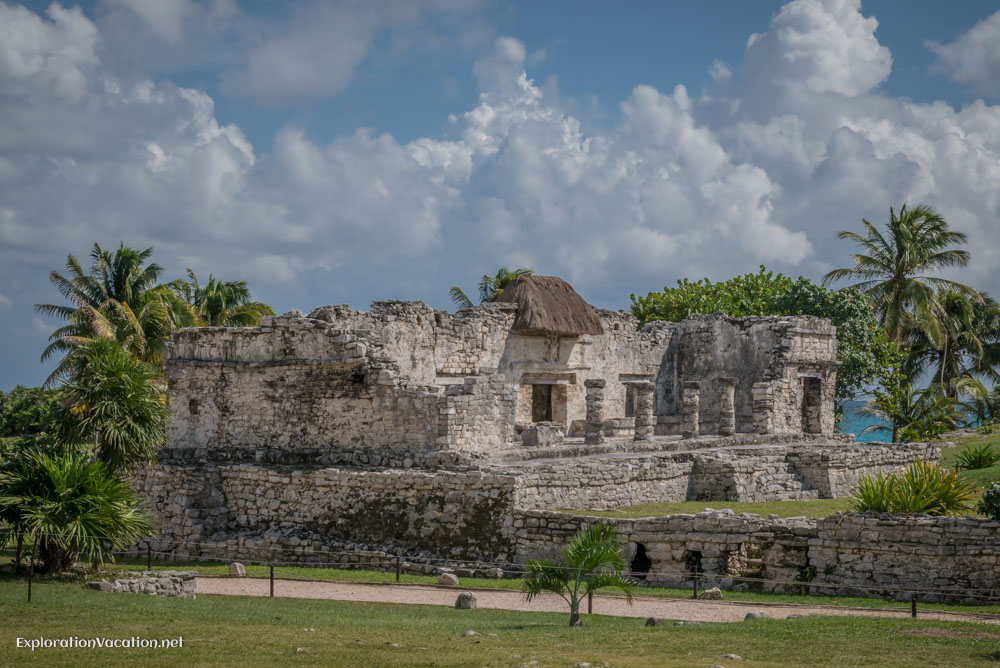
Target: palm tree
{"type": "Point", "coordinates": [889, 270]}
{"type": "Point", "coordinates": [489, 288]}
{"type": "Point", "coordinates": [119, 299]}
{"type": "Point", "coordinates": [966, 341]}
{"type": "Point", "coordinates": [913, 415]}
{"type": "Point", "coordinates": [982, 402]}
{"type": "Point", "coordinates": [115, 402]}
{"type": "Point", "coordinates": [591, 561]}
{"type": "Point", "coordinates": [221, 303]}
{"type": "Point", "coordinates": [71, 506]}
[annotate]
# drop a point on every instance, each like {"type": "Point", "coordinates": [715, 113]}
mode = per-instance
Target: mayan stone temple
{"type": "Point", "coordinates": [406, 429]}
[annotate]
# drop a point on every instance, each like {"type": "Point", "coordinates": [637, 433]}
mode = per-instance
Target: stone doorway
{"type": "Point", "coordinates": [541, 403]}
{"type": "Point", "coordinates": [812, 401]}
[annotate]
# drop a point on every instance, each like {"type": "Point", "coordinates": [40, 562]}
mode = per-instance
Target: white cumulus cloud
{"type": "Point", "coordinates": [974, 57]}
{"type": "Point", "coordinates": [780, 152]}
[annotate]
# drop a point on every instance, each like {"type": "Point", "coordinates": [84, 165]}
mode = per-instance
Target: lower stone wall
{"type": "Point", "coordinates": [459, 515]}
{"type": "Point", "coordinates": [737, 473]}
{"type": "Point", "coordinates": [164, 583]}
{"type": "Point", "coordinates": [834, 472]}
{"type": "Point", "coordinates": [869, 554]}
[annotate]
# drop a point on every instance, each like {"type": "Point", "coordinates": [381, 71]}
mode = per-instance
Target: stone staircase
{"type": "Point", "coordinates": [784, 483]}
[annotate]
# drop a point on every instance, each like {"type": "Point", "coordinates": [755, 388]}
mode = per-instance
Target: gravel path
{"type": "Point", "coordinates": [675, 609]}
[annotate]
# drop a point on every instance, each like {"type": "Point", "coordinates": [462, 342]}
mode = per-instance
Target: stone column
{"type": "Point", "coordinates": [727, 405]}
{"type": "Point", "coordinates": [689, 414]}
{"type": "Point", "coordinates": [595, 411]}
{"type": "Point", "coordinates": [644, 420]}
{"type": "Point", "coordinates": [763, 408]}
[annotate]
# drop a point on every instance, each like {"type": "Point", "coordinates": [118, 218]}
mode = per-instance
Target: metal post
{"type": "Point", "coordinates": [149, 556]}
{"type": "Point", "coordinates": [913, 606]}
{"type": "Point", "coordinates": [31, 565]}
{"type": "Point", "coordinates": [694, 584]}
{"type": "Point", "coordinates": [397, 568]}
{"type": "Point", "coordinates": [590, 602]}
{"type": "Point", "coordinates": [272, 580]}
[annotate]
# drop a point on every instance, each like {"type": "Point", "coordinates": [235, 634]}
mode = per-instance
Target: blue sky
{"type": "Point", "coordinates": [344, 152]}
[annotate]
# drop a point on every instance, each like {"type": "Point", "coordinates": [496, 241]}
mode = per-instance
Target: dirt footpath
{"type": "Point", "coordinates": [674, 609]}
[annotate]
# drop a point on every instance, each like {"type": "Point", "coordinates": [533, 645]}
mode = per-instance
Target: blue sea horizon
{"type": "Point", "coordinates": [854, 422]}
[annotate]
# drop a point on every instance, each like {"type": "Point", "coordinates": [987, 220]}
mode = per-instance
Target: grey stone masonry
{"type": "Point", "coordinates": [595, 411]}
{"type": "Point", "coordinates": [690, 400]}
{"type": "Point", "coordinates": [866, 554]}
{"type": "Point", "coordinates": [727, 405]}
{"type": "Point", "coordinates": [163, 583]}
{"type": "Point", "coordinates": [645, 422]}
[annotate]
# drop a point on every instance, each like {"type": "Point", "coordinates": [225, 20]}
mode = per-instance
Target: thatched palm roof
{"type": "Point", "coordinates": [550, 305]}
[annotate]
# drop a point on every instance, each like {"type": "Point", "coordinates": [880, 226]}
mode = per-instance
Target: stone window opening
{"type": "Point", "coordinates": [641, 563]}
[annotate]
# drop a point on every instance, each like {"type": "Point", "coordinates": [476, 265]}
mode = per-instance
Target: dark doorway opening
{"type": "Point", "coordinates": [541, 403]}
{"type": "Point", "coordinates": [640, 563]}
{"type": "Point", "coordinates": [811, 402]}
{"type": "Point", "coordinates": [629, 400]}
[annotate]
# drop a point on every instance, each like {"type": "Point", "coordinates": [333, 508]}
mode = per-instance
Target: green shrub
{"type": "Point", "coordinates": [922, 488]}
{"type": "Point", "coordinates": [990, 503]}
{"type": "Point", "coordinates": [875, 492]}
{"type": "Point", "coordinates": [975, 457]}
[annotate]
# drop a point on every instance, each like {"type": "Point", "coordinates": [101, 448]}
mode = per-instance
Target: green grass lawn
{"type": "Point", "coordinates": [336, 575]}
{"type": "Point", "coordinates": [981, 477]}
{"type": "Point", "coordinates": [255, 631]}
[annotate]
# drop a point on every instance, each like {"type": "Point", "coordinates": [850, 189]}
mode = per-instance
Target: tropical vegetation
{"type": "Point", "coordinates": [943, 330]}
{"type": "Point", "coordinates": [68, 506]}
{"type": "Point", "coordinates": [120, 297]}
{"type": "Point", "coordinates": [593, 560]}
{"type": "Point", "coordinates": [989, 505]}
{"type": "Point", "coordinates": [62, 484]}
{"type": "Point", "coordinates": [977, 456]}
{"type": "Point", "coordinates": [890, 268]}
{"type": "Point", "coordinates": [220, 303]}
{"type": "Point", "coordinates": [923, 487]}
{"type": "Point", "coordinates": [863, 349]}
{"type": "Point", "coordinates": [114, 403]}
{"type": "Point", "coordinates": [490, 287]}
{"type": "Point", "coordinates": [27, 410]}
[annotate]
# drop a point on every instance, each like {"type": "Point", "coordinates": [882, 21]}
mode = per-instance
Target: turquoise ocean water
{"type": "Point", "coordinates": [854, 422]}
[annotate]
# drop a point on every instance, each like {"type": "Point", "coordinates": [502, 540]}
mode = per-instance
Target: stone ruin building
{"type": "Point", "coordinates": [410, 429]}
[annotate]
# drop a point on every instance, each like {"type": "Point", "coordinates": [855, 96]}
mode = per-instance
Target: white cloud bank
{"type": "Point", "coordinates": [974, 57]}
{"type": "Point", "coordinates": [779, 153]}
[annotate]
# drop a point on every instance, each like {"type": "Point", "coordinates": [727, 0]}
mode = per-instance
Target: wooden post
{"type": "Point", "coordinates": [397, 568]}
{"type": "Point", "coordinates": [272, 580]}
{"type": "Point", "coordinates": [149, 556]}
{"type": "Point", "coordinates": [590, 602]}
{"type": "Point", "coordinates": [31, 565]}
{"type": "Point", "coordinates": [913, 606]}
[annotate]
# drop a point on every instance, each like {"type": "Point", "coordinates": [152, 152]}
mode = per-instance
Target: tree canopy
{"type": "Point", "coordinates": [863, 349]}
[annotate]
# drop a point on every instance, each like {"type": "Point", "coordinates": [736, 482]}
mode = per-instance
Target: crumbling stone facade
{"type": "Point", "coordinates": [411, 429]}
{"type": "Point", "coordinates": [869, 554]}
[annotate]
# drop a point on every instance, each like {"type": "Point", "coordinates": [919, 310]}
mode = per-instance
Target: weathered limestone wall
{"type": "Point", "coordinates": [621, 355]}
{"type": "Point", "coordinates": [718, 350]}
{"type": "Point", "coordinates": [740, 473]}
{"type": "Point", "coordinates": [953, 559]}
{"type": "Point", "coordinates": [460, 515]}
